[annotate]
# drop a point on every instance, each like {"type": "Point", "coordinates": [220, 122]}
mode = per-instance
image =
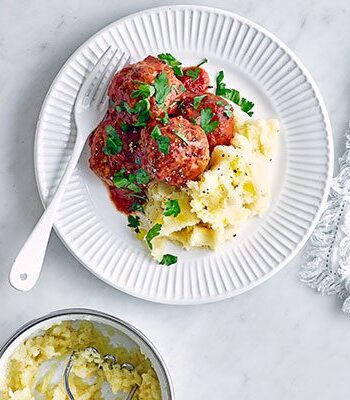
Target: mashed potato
{"type": "Point", "coordinates": [24, 378]}
{"type": "Point", "coordinates": [234, 188]}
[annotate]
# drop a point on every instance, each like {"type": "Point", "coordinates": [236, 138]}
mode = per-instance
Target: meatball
{"type": "Point", "coordinates": [213, 113]}
{"type": "Point", "coordinates": [106, 165]}
{"type": "Point", "coordinates": [134, 100]}
{"type": "Point", "coordinates": [195, 79]}
{"type": "Point", "coordinates": [187, 154]}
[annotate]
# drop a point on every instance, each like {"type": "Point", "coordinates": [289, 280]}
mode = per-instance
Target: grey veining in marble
{"type": "Point", "coordinates": [279, 341]}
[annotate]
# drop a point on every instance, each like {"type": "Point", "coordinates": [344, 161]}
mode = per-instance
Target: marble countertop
{"type": "Point", "coordinates": [278, 341]}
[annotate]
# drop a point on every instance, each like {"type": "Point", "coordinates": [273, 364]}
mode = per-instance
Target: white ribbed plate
{"type": "Point", "coordinates": [266, 72]}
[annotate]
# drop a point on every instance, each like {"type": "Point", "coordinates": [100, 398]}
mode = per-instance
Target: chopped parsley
{"type": "Point", "coordinates": [137, 207]}
{"type": "Point", "coordinates": [228, 111]}
{"type": "Point", "coordinates": [181, 136]}
{"type": "Point", "coordinates": [165, 119]}
{"type": "Point", "coordinates": [124, 106]}
{"type": "Point", "coordinates": [168, 259]}
{"type": "Point", "coordinates": [134, 223]}
{"type": "Point", "coordinates": [144, 90]}
{"type": "Point", "coordinates": [206, 120]}
{"type": "Point", "coordinates": [172, 62]}
{"type": "Point", "coordinates": [114, 143]}
{"type": "Point", "coordinates": [141, 177]}
{"type": "Point", "coordinates": [162, 141]}
{"type": "Point", "coordinates": [193, 73]}
{"type": "Point", "coordinates": [172, 208]}
{"type": "Point", "coordinates": [197, 100]}
{"type": "Point", "coordinates": [152, 233]}
{"type": "Point", "coordinates": [220, 103]}
{"type": "Point", "coordinates": [124, 126]}
{"type": "Point", "coordinates": [124, 181]}
{"type": "Point", "coordinates": [233, 95]}
{"type": "Point", "coordinates": [162, 89]}
{"type": "Point", "coordinates": [142, 108]}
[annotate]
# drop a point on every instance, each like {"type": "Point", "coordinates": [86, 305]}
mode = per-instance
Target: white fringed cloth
{"type": "Point", "coordinates": [327, 255]}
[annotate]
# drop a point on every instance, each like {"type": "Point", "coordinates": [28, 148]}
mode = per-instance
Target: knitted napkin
{"type": "Point", "coordinates": [327, 254]}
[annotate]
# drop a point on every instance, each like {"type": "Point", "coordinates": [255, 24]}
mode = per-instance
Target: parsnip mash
{"type": "Point", "coordinates": [35, 370]}
{"type": "Point", "coordinates": [234, 188]}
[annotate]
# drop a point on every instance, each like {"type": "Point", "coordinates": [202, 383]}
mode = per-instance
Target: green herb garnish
{"type": "Point", "coordinates": [124, 181]}
{"type": "Point", "coordinates": [141, 177]}
{"type": "Point", "coordinates": [137, 207]}
{"type": "Point", "coordinates": [182, 137]}
{"type": "Point", "coordinates": [162, 89]}
{"type": "Point", "coordinates": [172, 208]}
{"type": "Point", "coordinates": [152, 233]}
{"type": "Point", "coordinates": [134, 223]}
{"type": "Point", "coordinates": [162, 141]}
{"type": "Point", "coordinates": [206, 120]}
{"type": "Point", "coordinates": [124, 126]}
{"type": "Point", "coordinates": [144, 90]}
{"type": "Point", "coordinates": [172, 62]}
{"type": "Point", "coordinates": [233, 95]}
{"type": "Point", "coordinates": [168, 259]}
{"type": "Point", "coordinates": [124, 106]}
{"type": "Point", "coordinates": [228, 111]}
{"type": "Point", "coordinates": [114, 143]}
{"type": "Point", "coordinates": [197, 100]}
{"type": "Point", "coordinates": [193, 73]}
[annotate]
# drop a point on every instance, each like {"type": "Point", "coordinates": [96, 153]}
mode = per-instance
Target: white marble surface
{"type": "Point", "coordinates": [279, 341]}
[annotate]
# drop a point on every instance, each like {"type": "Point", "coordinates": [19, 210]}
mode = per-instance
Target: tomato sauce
{"type": "Point", "coordinates": [120, 199]}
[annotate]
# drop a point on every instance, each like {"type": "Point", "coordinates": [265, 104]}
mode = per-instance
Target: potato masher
{"type": "Point", "coordinates": [96, 356]}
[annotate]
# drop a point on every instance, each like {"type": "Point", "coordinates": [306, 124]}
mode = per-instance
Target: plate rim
{"type": "Point", "coordinates": [328, 129]}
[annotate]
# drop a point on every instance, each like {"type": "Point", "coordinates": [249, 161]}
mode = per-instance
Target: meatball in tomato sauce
{"type": "Point", "coordinates": [195, 79]}
{"type": "Point", "coordinates": [213, 113]}
{"type": "Point", "coordinates": [112, 149]}
{"type": "Point", "coordinates": [176, 152]}
{"type": "Point", "coordinates": [143, 91]}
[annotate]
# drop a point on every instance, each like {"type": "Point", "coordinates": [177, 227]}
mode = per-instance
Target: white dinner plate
{"type": "Point", "coordinates": [266, 72]}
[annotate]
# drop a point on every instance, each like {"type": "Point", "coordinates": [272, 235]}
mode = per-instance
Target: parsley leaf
{"type": "Point", "coordinates": [142, 108]}
{"type": "Point", "coordinates": [114, 143]}
{"type": "Point", "coordinates": [197, 100]}
{"type": "Point", "coordinates": [193, 73]}
{"type": "Point", "coordinates": [137, 207]}
{"type": "Point", "coordinates": [124, 126]}
{"type": "Point", "coordinates": [120, 180]}
{"type": "Point", "coordinates": [172, 208]}
{"type": "Point", "coordinates": [246, 106]}
{"type": "Point", "coordinates": [123, 181]}
{"type": "Point", "coordinates": [168, 259]}
{"type": "Point", "coordinates": [162, 141]}
{"type": "Point", "coordinates": [144, 91]}
{"type": "Point", "coordinates": [156, 133]}
{"type": "Point", "coordinates": [206, 120]}
{"type": "Point", "coordinates": [228, 111]}
{"type": "Point", "coordinates": [134, 223]}
{"type": "Point", "coordinates": [181, 136]}
{"type": "Point", "coordinates": [124, 106]}
{"type": "Point", "coordinates": [233, 95]}
{"type": "Point", "coordinates": [172, 62]}
{"type": "Point", "coordinates": [162, 88]}
{"type": "Point", "coordinates": [141, 177]}
{"type": "Point", "coordinates": [163, 144]}
{"type": "Point", "coordinates": [220, 103]}
{"type": "Point", "coordinates": [152, 233]}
